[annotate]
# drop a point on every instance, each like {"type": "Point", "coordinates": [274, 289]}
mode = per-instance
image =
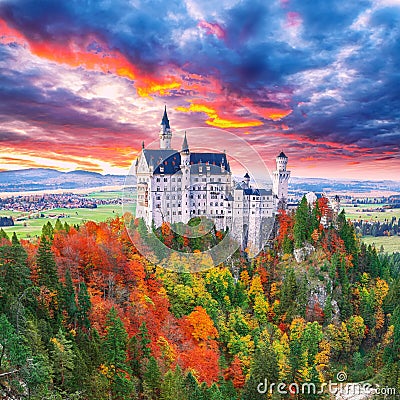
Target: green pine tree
{"type": "Point", "coordinates": [152, 380]}
{"type": "Point", "coordinates": [84, 306]}
{"type": "Point", "coordinates": [115, 346]}
{"type": "Point", "coordinates": [264, 368]}
{"type": "Point", "coordinates": [69, 299]}
{"type": "Point", "coordinates": [302, 224]}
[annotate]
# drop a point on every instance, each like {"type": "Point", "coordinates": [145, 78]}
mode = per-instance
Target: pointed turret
{"type": "Point", "coordinates": [185, 146]}
{"type": "Point", "coordinates": [165, 120]}
{"type": "Point", "coordinates": [246, 180]}
{"type": "Point", "coordinates": [165, 131]}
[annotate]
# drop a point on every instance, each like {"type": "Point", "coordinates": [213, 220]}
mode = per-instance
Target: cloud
{"type": "Point", "coordinates": [317, 76]}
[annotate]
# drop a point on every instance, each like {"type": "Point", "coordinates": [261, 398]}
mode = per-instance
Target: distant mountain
{"type": "Point", "coordinates": [298, 184]}
{"type": "Point", "coordinates": [46, 178]}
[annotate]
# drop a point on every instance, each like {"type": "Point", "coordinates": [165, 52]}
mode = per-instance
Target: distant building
{"type": "Point", "coordinates": [177, 185]}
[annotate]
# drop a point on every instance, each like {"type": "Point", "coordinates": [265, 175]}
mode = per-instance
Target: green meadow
{"type": "Point", "coordinates": [359, 212]}
{"type": "Point", "coordinates": [391, 244]}
{"type": "Point", "coordinates": [31, 227]}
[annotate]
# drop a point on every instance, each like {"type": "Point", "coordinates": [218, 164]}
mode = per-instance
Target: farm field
{"type": "Point", "coordinates": [32, 227]}
{"type": "Point", "coordinates": [391, 244]}
{"type": "Point", "coordinates": [362, 212]}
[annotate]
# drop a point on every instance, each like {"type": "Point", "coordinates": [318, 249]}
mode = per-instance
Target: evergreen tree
{"type": "Point", "coordinates": [47, 269]}
{"type": "Point", "coordinates": [172, 386]}
{"type": "Point", "coordinates": [69, 299]}
{"type": "Point", "coordinates": [264, 368]}
{"type": "Point", "coordinates": [288, 294]}
{"type": "Point", "coordinates": [144, 340]}
{"type": "Point", "coordinates": [84, 306]}
{"type": "Point", "coordinates": [192, 388]}
{"type": "Point", "coordinates": [115, 343]}
{"type": "Point", "coordinates": [302, 224]}
{"type": "Point", "coordinates": [152, 380]}
{"type": "Point", "coordinates": [58, 226]}
{"type": "Point", "coordinates": [14, 278]}
{"type": "Point", "coordinates": [3, 234]}
{"type": "Point", "coordinates": [62, 356]}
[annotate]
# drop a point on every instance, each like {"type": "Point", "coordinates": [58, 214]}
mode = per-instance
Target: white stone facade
{"type": "Point", "coordinates": [175, 186]}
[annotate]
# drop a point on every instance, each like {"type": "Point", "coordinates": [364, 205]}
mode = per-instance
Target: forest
{"type": "Point", "coordinates": [83, 315]}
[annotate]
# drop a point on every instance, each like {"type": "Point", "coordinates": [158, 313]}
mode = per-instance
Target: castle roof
{"type": "Point", "coordinates": [247, 176]}
{"type": "Point", "coordinates": [252, 191]}
{"type": "Point", "coordinates": [185, 146]}
{"type": "Point", "coordinates": [282, 155]}
{"type": "Point", "coordinates": [165, 120]}
{"type": "Point", "coordinates": [257, 192]}
{"type": "Point", "coordinates": [171, 160]}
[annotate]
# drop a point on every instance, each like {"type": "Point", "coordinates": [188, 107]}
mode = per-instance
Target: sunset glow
{"type": "Point", "coordinates": [83, 92]}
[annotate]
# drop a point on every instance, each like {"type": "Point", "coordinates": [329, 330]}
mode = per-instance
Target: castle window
{"type": "Point", "coordinates": [179, 204]}
{"type": "Point", "coordinates": [167, 205]}
{"type": "Point", "coordinates": [191, 196]}
{"type": "Point", "coordinates": [204, 196]}
{"type": "Point", "coordinates": [198, 211]}
{"type": "Point", "coordinates": [165, 188]}
{"type": "Point", "coordinates": [210, 211]}
{"type": "Point", "coordinates": [158, 198]}
{"type": "Point", "coordinates": [173, 179]}
{"type": "Point", "coordinates": [179, 179]}
{"type": "Point", "coordinates": [161, 168]}
{"type": "Point", "coordinates": [179, 212]}
{"type": "Point", "coordinates": [216, 211]}
{"type": "Point", "coordinates": [211, 204]}
{"type": "Point", "coordinates": [165, 180]}
{"type": "Point", "coordinates": [200, 170]}
{"type": "Point", "coordinates": [199, 196]}
{"type": "Point", "coordinates": [221, 204]}
{"type": "Point", "coordinates": [219, 179]}
{"type": "Point", "coordinates": [173, 197]}
{"type": "Point", "coordinates": [204, 180]}
{"type": "Point", "coordinates": [158, 188]}
{"type": "Point", "coordinates": [158, 179]}
{"type": "Point", "coordinates": [173, 188]}
{"type": "Point", "coordinates": [196, 179]}
{"type": "Point", "coordinates": [167, 196]}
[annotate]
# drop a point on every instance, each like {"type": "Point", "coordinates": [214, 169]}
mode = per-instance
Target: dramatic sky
{"type": "Point", "coordinates": [83, 82]}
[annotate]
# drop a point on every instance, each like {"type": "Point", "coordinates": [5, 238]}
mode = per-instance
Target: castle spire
{"type": "Point", "coordinates": [165, 120]}
{"type": "Point", "coordinates": [185, 146]}
{"type": "Point", "coordinates": [165, 132]}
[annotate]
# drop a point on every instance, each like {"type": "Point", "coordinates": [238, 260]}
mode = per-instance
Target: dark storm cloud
{"type": "Point", "coordinates": [340, 67]}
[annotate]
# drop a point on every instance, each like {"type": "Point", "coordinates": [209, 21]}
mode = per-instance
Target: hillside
{"type": "Point", "coordinates": [102, 322]}
{"type": "Point", "coordinates": [44, 179]}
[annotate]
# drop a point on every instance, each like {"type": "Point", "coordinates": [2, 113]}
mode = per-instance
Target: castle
{"type": "Point", "coordinates": [177, 185]}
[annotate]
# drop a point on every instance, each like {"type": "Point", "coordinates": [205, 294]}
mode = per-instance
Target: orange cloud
{"type": "Point", "coordinates": [215, 120]}
{"type": "Point", "coordinates": [311, 158]}
{"type": "Point", "coordinates": [275, 114]}
{"type": "Point", "coordinates": [75, 54]}
{"type": "Point", "coordinates": [9, 35]}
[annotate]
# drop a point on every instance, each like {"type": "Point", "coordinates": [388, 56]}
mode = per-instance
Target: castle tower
{"type": "Point", "coordinates": [246, 180]}
{"type": "Point", "coordinates": [280, 178]}
{"type": "Point", "coordinates": [165, 132]}
{"type": "Point", "coordinates": [185, 170]}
